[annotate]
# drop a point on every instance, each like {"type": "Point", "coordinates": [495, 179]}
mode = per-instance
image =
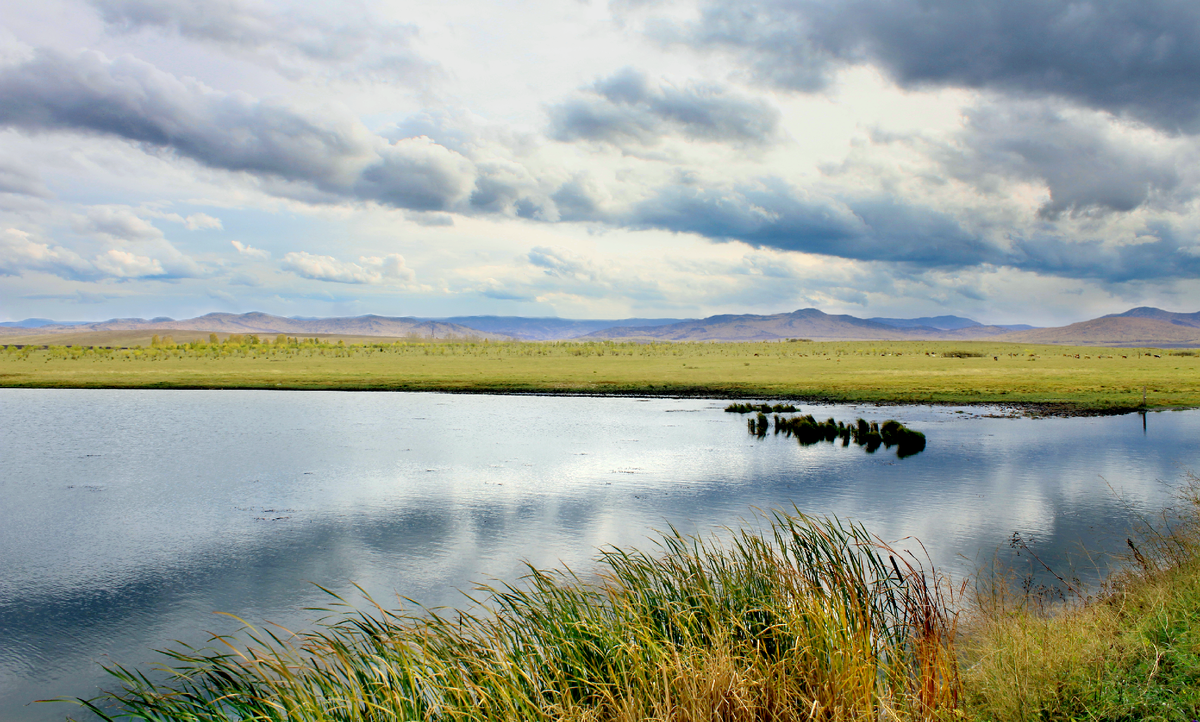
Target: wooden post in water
{"type": "Point", "coordinates": [1143, 397]}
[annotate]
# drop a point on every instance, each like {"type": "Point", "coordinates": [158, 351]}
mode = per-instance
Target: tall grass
{"type": "Point", "coordinates": [1130, 652]}
{"type": "Point", "coordinates": [808, 619]}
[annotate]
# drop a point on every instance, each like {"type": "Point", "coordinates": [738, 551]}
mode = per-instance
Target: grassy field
{"type": "Point", "coordinates": [1082, 379]}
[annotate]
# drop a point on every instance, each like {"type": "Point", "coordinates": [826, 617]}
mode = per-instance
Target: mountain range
{"type": "Point", "coordinates": [1142, 326]}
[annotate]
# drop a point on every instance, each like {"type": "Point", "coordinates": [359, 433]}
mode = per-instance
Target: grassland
{"type": "Point", "coordinates": [1085, 379]}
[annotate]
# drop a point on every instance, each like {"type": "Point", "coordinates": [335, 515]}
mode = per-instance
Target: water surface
{"type": "Point", "coordinates": [127, 518]}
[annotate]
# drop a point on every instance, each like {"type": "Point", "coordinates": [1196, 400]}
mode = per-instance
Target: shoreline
{"type": "Point", "coordinates": [1020, 409]}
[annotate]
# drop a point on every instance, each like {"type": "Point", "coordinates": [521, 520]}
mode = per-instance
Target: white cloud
{"type": "Point", "coordinates": [19, 254]}
{"type": "Point", "coordinates": [369, 270]}
{"type": "Point", "coordinates": [118, 223]}
{"type": "Point", "coordinates": [250, 251]}
{"type": "Point", "coordinates": [202, 221]}
{"type": "Point", "coordinates": [123, 264]}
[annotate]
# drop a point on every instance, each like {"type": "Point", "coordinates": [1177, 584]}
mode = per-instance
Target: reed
{"type": "Point", "coordinates": [738, 408]}
{"type": "Point", "coordinates": [870, 435]}
{"type": "Point", "coordinates": [808, 619]}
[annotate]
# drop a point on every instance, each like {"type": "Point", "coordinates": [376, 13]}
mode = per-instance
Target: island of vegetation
{"type": "Point", "coordinates": [1037, 378]}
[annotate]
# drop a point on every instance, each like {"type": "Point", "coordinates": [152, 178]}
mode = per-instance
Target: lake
{"type": "Point", "coordinates": [128, 518]}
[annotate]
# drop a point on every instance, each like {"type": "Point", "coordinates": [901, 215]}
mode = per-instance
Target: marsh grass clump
{"type": "Point", "coordinates": [906, 440]}
{"type": "Point", "coordinates": [806, 430]}
{"type": "Point", "coordinates": [736, 408]}
{"type": "Point", "coordinates": [812, 619]}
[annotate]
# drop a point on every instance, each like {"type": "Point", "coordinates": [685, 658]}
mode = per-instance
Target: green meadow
{"type": "Point", "coordinates": [1085, 379]}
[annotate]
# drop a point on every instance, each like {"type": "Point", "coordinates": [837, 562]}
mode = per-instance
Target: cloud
{"type": "Point", "coordinates": [154, 258]}
{"type": "Point", "coordinates": [21, 181]}
{"type": "Point", "coordinates": [250, 251]}
{"type": "Point", "coordinates": [19, 254]}
{"type": "Point", "coordinates": [133, 100]}
{"type": "Point", "coordinates": [118, 223]}
{"type": "Point", "coordinates": [770, 214]}
{"type": "Point", "coordinates": [194, 222]}
{"type": "Point", "coordinates": [1140, 59]}
{"type": "Point", "coordinates": [431, 220]}
{"type": "Point", "coordinates": [201, 221]}
{"type": "Point", "coordinates": [417, 174]}
{"type": "Point", "coordinates": [1159, 252]}
{"type": "Point", "coordinates": [293, 41]}
{"type": "Point", "coordinates": [1087, 162]}
{"type": "Point", "coordinates": [123, 264]}
{"type": "Point", "coordinates": [369, 269]}
{"type": "Point", "coordinates": [627, 109]}
{"type": "Point", "coordinates": [224, 296]}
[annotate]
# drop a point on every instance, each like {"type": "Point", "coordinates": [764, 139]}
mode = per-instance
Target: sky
{"type": "Point", "coordinates": [1013, 161]}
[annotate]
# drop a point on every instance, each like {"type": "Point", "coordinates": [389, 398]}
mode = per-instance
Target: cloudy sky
{"type": "Point", "coordinates": [1008, 160]}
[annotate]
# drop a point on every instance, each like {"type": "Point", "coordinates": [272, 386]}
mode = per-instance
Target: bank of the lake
{"type": "Point", "coordinates": [1038, 379]}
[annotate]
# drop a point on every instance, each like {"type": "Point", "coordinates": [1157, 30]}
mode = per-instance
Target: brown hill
{"type": "Point", "coordinates": [808, 323]}
{"type": "Point", "coordinates": [1112, 331]}
{"type": "Point", "coordinates": [263, 323]}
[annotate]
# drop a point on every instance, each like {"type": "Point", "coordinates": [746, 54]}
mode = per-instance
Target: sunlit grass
{"type": "Point", "coordinates": [902, 372]}
{"type": "Point", "coordinates": [809, 620]}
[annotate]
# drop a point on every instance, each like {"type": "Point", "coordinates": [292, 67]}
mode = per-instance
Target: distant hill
{"type": "Point", "coordinates": [548, 329]}
{"type": "Point", "coordinates": [807, 323]}
{"type": "Point", "coordinates": [1179, 319]}
{"type": "Point", "coordinates": [1136, 327]}
{"type": "Point", "coordinates": [944, 323]}
{"type": "Point", "coordinates": [38, 323]}
{"type": "Point", "coordinates": [1116, 330]}
{"type": "Point", "coordinates": [262, 323]}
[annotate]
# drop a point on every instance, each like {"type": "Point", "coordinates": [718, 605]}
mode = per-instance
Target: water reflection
{"type": "Point", "coordinates": [130, 516]}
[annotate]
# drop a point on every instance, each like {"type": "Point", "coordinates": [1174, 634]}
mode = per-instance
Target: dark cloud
{"type": "Point", "coordinates": [774, 215]}
{"type": "Point", "coordinates": [1159, 254]}
{"type": "Point", "coordinates": [626, 108]}
{"type": "Point", "coordinates": [417, 174]}
{"type": "Point", "coordinates": [1085, 163]}
{"type": "Point", "coordinates": [363, 48]}
{"type": "Point", "coordinates": [1140, 59]}
{"type": "Point", "coordinates": [578, 199]}
{"type": "Point", "coordinates": [133, 100]}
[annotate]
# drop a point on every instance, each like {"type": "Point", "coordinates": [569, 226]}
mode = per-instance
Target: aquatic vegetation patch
{"type": "Point", "coordinates": [736, 408]}
{"type": "Point", "coordinates": [807, 431]}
